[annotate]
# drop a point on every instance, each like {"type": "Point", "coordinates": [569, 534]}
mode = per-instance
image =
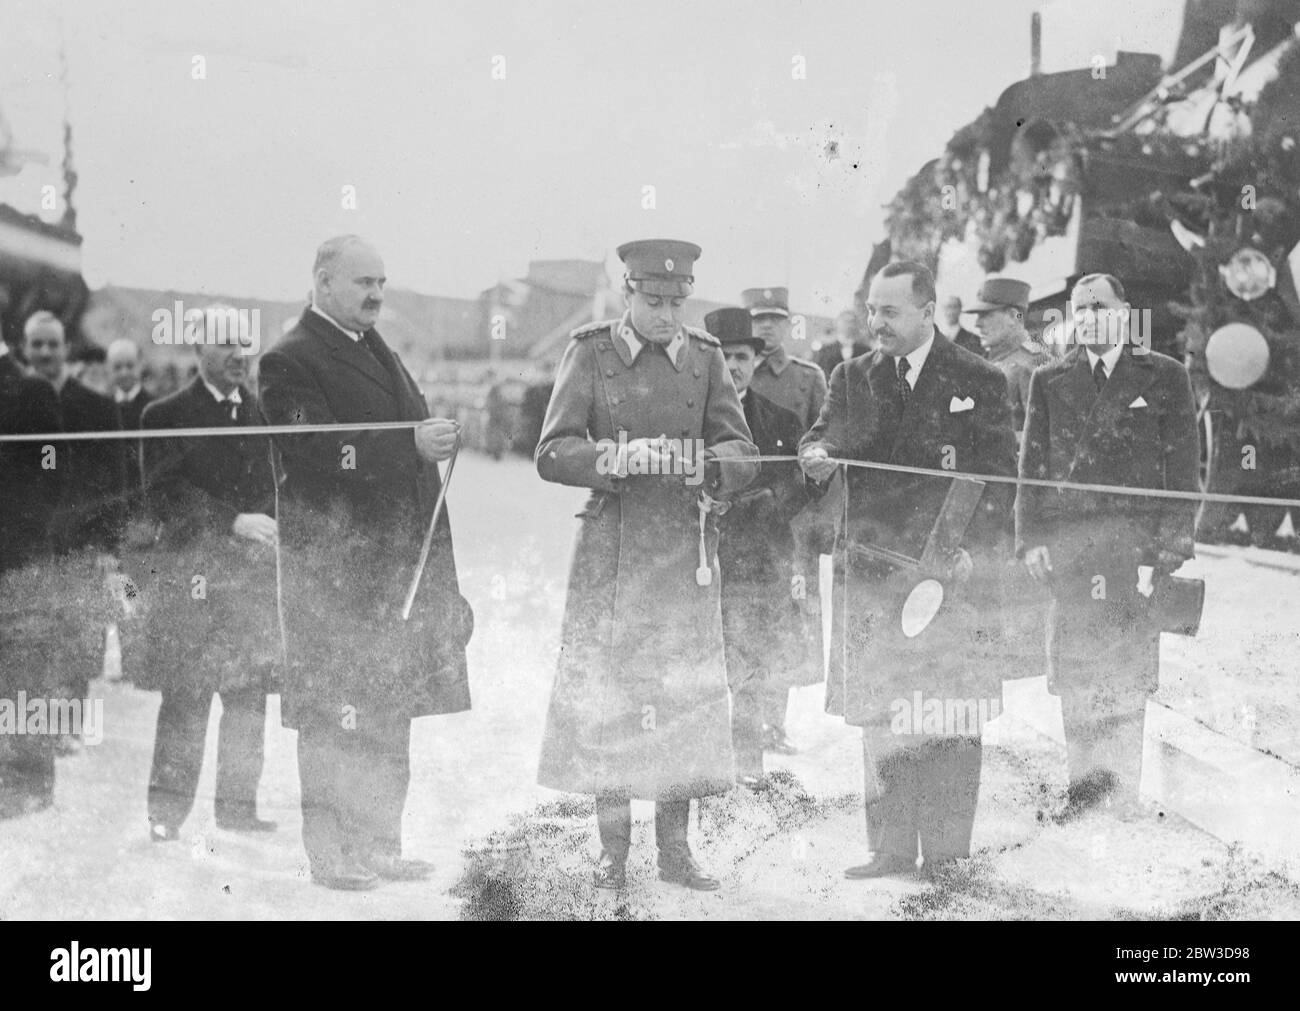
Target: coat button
{"type": "Point", "coordinates": [609, 373]}
{"type": "Point", "coordinates": [697, 373]}
{"type": "Point", "coordinates": [604, 346]}
{"type": "Point", "coordinates": [690, 403]}
{"type": "Point", "coordinates": [614, 401]}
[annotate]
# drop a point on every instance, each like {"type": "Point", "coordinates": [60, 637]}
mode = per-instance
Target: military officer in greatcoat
{"type": "Point", "coordinates": [760, 619]}
{"type": "Point", "coordinates": [646, 416]}
{"type": "Point", "coordinates": [798, 386]}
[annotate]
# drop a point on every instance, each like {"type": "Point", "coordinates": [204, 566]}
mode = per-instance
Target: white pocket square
{"type": "Point", "coordinates": [1140, 402]}
{"type": "Point", "coordinates": [957, 406]}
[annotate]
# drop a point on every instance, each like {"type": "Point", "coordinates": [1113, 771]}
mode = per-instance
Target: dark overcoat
{"type": "Point", "coordinates": [92, 510]}
{"type": "Point", "coordinates": [208, 595]}
{"type": "Point", "coordinates": [353, 511]}
{"type": "Point", "coordinates": [956, 419]}
{"type": "Point", "coordinates": [640, 705]}
{"type": "Point", "coordinates": [760, 612]}
{"type": "Point", "coordinates": [1139, 432]}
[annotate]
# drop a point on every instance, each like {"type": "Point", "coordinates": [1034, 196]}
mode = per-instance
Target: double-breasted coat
{"type": "Point", "coordinates": [353, 511]}
{"type": "Point", "coordinates": [1139, 432]}
{"type": "Point", "coordinates": [209, 595]}
{"type": "Point", "coordinates": [956, 419]}
{"type": "Point", "coordinates": [640, 705]}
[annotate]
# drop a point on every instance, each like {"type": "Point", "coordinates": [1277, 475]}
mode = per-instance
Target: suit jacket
{"type": "Point", "coordinates": [862, 420]}
{"type": "Point", "coordinates": [957, 418]}
{"type": "Point", "coordinates": [92, 511]}
{"type": "Point", "coordinates": [29, 493]}
{"type": "Point", "coordinates": [226, 637]}
{"type": "Point", "coordinates": [756, 542]}
{"type": "Point", "coordinates": [353, 512]}
{"type": "Point", "coordinates": [1140, 433]}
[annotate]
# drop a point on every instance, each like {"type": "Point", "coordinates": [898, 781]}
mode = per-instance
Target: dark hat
{"type": "Point", "coordinates": [660, 266]}
{"type": "Point", "coordinates": [733, 326]}
{"type": "Point", "coordinates": [766, 301]}
{"type": "Point", "coordinates": [1001, 293]}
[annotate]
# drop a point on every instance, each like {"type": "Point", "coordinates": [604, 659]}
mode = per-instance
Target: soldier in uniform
{"type": "Point", "coordinates": [1000, 320]}
{"type": "Point", "coordinates": [760, 619]}
{"type": "Point", "coordinates": [645, 415]}
{"type": "Point", "coordinates": [798, 386]}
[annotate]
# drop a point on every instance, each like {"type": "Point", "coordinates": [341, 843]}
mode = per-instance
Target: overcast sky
{"type": "Point", "coordinates": [227, 184]}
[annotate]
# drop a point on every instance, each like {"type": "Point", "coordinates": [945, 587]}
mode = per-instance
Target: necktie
{"type": "Point", "coordinates": [904, 387]}
{"type": "Point", "coordinates": [1099, 375]}
{"type": "Point", "coordinates": [233, 404]}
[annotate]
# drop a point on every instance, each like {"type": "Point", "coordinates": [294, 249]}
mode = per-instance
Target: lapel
{"type": "Point", "coordinates": [1101, 416]}
{"type": "Point", "coordinates": [345, 350]}
{"type": "Point", "coordinates": [921, 401]}
{"type": "Point", "coordinates": [882, 427]}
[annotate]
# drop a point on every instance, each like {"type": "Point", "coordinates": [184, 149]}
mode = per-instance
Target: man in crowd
{"type": "Point", "coordinates": [219, 634]}
{"type": "Point", "coordinates": [645, 415]}
{"type": "Point", "coordinates": [760, 620]}
{"type": "Point", "coordinates": [90, 513]}
{"type": "Point", "coordinates": [999, 312]}
{"type": "Point", "coordinates": [1115, 414]}
{"type": "Point", "coordinates": [29, 493]}
{"type": "Point", "coordinates": [353, 514]}
{"type": "Point", "coordinates": [918, 401]}
{"type": "Point", "coordinates": [799, 387]}
{"type": "Point", "coordinates": [848, 343]}
{"type": "Point", "coordinates": [950, 326]}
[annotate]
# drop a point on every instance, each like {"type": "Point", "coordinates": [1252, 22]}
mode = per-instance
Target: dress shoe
{"type": "Point", "coordinates": [394, 868]}
{"type": "Point", "coordinates": [349, 876]}
{"type": "Point", "coordinates": [610, 872]}
{"type": "Point", "coordinates": [775, 741]}
{"type": "Point", "coordinates": [159, 832]}
{"type": "Point", "coordinates": [881, 865]}
{"type": "Point", "coordinates": [250, 823]}
{"type": "Point", "coordinates": [680, 868]}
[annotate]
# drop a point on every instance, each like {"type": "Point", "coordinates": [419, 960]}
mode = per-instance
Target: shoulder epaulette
{"type": "Point", "coordinates": [804, 362]}
{"type": "Point", "coordinates": [703, 335]}
{"type": "Point", "coordinates": [592, 328]}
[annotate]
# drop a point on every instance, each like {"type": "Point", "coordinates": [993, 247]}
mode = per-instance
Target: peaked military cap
{"type": "Point", "coordinates": [1001, 293]}
{"type": "Point", "coordinates": [766, 301]}
{"type": "Point", "coordinates": [660, 266]}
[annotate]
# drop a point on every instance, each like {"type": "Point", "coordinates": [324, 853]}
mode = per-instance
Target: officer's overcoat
{"type": "Point", "coordinates": [640, 707]}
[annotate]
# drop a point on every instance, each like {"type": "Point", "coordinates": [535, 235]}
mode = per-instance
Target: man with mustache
{"type": "Point", "coordinates": [646, 416]}
{"type": "Point", "coordinates": [918, 401]}
{"type": "Point", "coordinates": [353, 512]}
{"type": "Point", "coordinates": [1108, 413]}
{"type": "Point", "coordinates": [799, 387]}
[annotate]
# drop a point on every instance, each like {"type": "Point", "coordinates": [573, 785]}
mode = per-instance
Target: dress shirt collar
{"type": "Point", "coordinates": [128, 396]}
{"type": "Point", "coordinates": [221, 398]}
{"type": "Point", "coordinates": [916, 360]}
{"type": "Point", "coordinates": [353, 334]}
{"type": "Point", "coordinates": [1108, 359]}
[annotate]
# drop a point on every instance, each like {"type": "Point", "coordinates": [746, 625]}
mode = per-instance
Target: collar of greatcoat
{"type": "Point", "coordinates": [630, 343]}
{"type": "Point", "coordinates": [776, 361]}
